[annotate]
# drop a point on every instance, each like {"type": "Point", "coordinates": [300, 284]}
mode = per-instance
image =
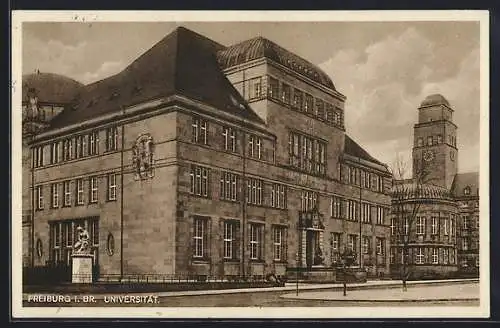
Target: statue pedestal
{"type": "Point", "coordinates": [81, 269]}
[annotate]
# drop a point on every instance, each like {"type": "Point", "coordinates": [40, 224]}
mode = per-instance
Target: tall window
{"type": "Point", "coordinates": [278, 195]}
{"type": "Point", "coordinates": [229, 135]}
{"type": "Point", "coordinates": [420, 225]}
{"type": "Point", "coordinates": [112, 138]}
{"type": "Point", "coordinates": [199, 237]}
{"type": "Point", "coordinates": [199, 180]}
{"type": "Point", "coordinates": [336, 207]}
{"type": "Point", "coordinates": [419, 256]}
{"type": "Point", "coordinates": [445, 255]}
{"type": "Point", "coordinates": [320, 109]}
{"type": "Point", "coordinates": [380, 246]}
{"type": "Point", "coordinates": [38, 156]}
{"type": "Point", "coordinates": [94, 190]}
{"type": "Point", "coordinates": [392, 255]}
{"type": "Point", "coordinates": [279, 243]}
{"type": "Point", "coordinates": [228, 186]}
{"type": "Point", "coordinates": [39, 196]}
{"type": "Point", "coordinates": [393, 226]}
{"type": "Point", "coordinates": [255, 88]}
{"type": "Point", "coordinates": [254, 194]}
{"type": "Point", "coordinates": [111, 186]}
{"type": "Point", "coordinates": [435, 225]}
{"type": "Point", "coordinates": [199, 130]}
{"type": "Point", "coordinates": [67, 149]}
{"type": "Point", "coordinates": [54, 153]}
{"type": "Point", "coordinates": [93, 143]}
{"type": "Point", "coordinates": [273, 88]}
{"type": "Point", "coordinates": [55, 194]}
{"type": "Point", "coordinates": [366, 245]}
{"type": "Point", "coordinates": [435, 255]}
{"type": "Point", "coordinates": [285, 93]}
{"type": "Point", "coordinates": [452, 225]}
{"type": "Point", "coordinates": [352, 210]}
{"type": "Point", "coordinates": [229, 239]}
{"type": "Point", "coordinates": [351, 242]}
{"type": "Point", "coordinates": [465, 222]}
{"type": "Point", "coordinates": [465, 244]}
{"type": "Point", "coordinates": [79, 192]}
{"type": "Point", "coordinates": [429, 141]}
{"type": "Point", "coordinates": [380, 214]}
{"type": "Point", "coordinates": [67, 193]}
{"type": "Point", "coordinates": [298, 99]}
{"type": "Point", "coordinates": [256, 231]}
{"type": "Point", "coordinates": [307, 153]}
{"type": "Point", "coordinates": [406, 227]}
{"type": "Point", "coordinates": [308, 199]}
{"type": "Point", "coordinates": [254, 147]}
{"type": "Point", "coordinates": [445, 226]}
{"type": "Point", "coordinates": [335, 246]}
{"type": "Point", "coordinates": [308, 103]}
{"type": "Point", "coordinates": [81, 146]}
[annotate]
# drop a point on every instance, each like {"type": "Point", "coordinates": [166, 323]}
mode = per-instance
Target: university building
{"type": "Point", "coordinates": [204, 159]}
{"type": "Point", "coordinates": [435, 215]}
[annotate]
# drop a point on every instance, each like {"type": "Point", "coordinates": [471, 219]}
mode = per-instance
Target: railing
{"type": "Point", "coordinates": [168, 278]}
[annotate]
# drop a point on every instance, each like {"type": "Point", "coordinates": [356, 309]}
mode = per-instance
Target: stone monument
{"type": "Point", "coordinates": [82, 258]}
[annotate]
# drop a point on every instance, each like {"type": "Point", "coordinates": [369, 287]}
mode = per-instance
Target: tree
{"type": "Point", "coordinates": [406, 199]}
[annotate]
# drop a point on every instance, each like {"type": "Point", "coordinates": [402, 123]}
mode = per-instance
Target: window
{"type": "Point", "coordinates": [111, 186]}
{"type": "Point", "coordinates": [254, 146]}
{"type": "Point", "coordinates": [380, 215]}
{"type": "Point", "coordinates": [285, 93]}
{"type": "Point", "coordinates": [445, 256]}
{"type": "Point", "coordinates": [393, 226]}
{"type": "Point", "coordinates": [79, 192]}
{"type": "Point", "coordinates": [420, 142]}
{"type": "Point", "coordinates": [228, 186]}
{"type": "Point", "coordinates": [229, 135]}
{"type": "Point", "coordinates": [429, 141]}
{"type": "Point", "coordinates": [465, 222]}
{"type": "Point", "coordinates": [229, 234]}
{"type": "Point", "coordinates": [320, 109]}
{"type": "Point", "coordinates": [308, 200]}
{"type": "Point", "coordinates": [380, 246]}
{"type": "Point", "coordinates": [406, 227]}
{"type": "Point", "coordinates": [94, 190]}
{"type": "Point", "coordinates": [54, 153]}
{"type": "Point", "coordinates": [419, 256]}
{"type": "Point", "coordinates": [39, 196]}
{"type": "Point", "coordinates": [335, 246]}
{"type": "Point", "coordinates": [452, 225]}
{"type": "Point", "coordinates": [199, 131]}
{"type": "Point", "coordinates": [392, 256]}
{"type": "Point", "coordinates": [435, 225]}
{"type": "Point", "coordinates": [256, 231]}
{"type": "Point", "coordinates": [38, 156]}
{"type": "Point", "coordinates": [365, 213]}
{"type": "Point", "coordinates": [112, 138]}
{"type": "Point", "coordinates": [94, 232]}
{"type": "Point", "coordinates": [67, 234]}
{"type": "Point", "coordinates": [351, 242]}
{"type": "Point", "coordinates": [439, 139]}
{"type": "Point", "coordinates": [254, 195]}
{"type": "Point", "coordinates": [366, 245]}
{"type": "Point", "coordinates": [445, 226]}
{"type": "Point", "coordinates": [298, 101]}
{"type": "Point", "coordinates": [308, 103]}
{"type": "Point", "coordinates": [279, 238]}
{"type": "Point", "coordinates": [81, 145]}
{"type": "Point", "coordinates": [273, 88]}
{"type": "Point", "coordinates": [465, 244]}
{"type": "Point", "coordinates": [55, 195]}
{"type": "Point", "coordinates": [306, 153]}
{"type": "Point", "coordinates": [67, 149]}
{"type": "Point", "coordinates": [67, 193]}
{"type": "Point", "coordinates": [336, 207]}
{"type": "Point", "coordinates": [199, 237]}
{"type": "Point", "coordinates": [278, 195]}
{"type": "Point", "coordinates": [255, 88]}
{"type": "Point", "coordinates": [452, 256]}
{"type": "Point", "coordinates": [435, 256]}
{"type": "Point", "coordinates": [330, 114]}
{"type": "Point", "coordinates": [93, 143]}
{"type": "Point", "coordinates": [420, 225]}
{"type": "Point", "coordinates": [352, 210]}
{"type": "Point", "coordinates": [199, 180]}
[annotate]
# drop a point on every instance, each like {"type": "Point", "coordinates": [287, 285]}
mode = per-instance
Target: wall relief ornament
{"type": "Point", "coordinates": [142, 157]}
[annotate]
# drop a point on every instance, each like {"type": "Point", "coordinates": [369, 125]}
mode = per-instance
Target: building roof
{"type": "Point", "coordinates": [183, 63]}
{"type": "Point", "coordinates": [434, 100]}
{"type": "Point", "coordinates": [50, 88]}
{"type": "Point", "coordinates": [463, 181]}
{"type": "Point", "coordinates": [354, 149]}
{"type": "Point", "coordinates": [409, 189]}
{"type": "Point", "coordinates": [260, 47]}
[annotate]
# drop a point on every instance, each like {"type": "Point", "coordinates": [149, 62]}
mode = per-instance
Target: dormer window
{"type": "Point", "coordinates": [467, 191]}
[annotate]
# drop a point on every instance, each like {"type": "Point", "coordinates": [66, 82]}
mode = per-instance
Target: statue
{"type": "Point", "coordinates": [142, 153]}
{"type": "Point", "coordinates": [82, 246]}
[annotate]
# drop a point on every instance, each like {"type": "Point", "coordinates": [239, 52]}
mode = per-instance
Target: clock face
{"type": "Point", "coordinates": [428, 155]}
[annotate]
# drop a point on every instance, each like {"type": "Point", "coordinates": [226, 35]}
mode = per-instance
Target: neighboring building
{"type": "Point", "coordinates": [200, 159]}
{"type": "Point", "coordinates": [44, 96]}
{"type": "Point", "coordinates": [438, 209]}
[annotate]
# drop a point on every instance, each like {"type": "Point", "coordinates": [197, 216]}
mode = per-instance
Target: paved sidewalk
{"type": "Point", "coordinates": [379, 285]}
{"type": "Point", "coordinates": [453, 292]}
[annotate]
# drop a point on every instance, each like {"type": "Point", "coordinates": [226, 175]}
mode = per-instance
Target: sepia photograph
{"type": "Point", "coordinates": [250, 165]}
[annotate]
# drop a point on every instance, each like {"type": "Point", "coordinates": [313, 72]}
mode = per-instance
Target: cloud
{"type": "Point", "coordinates": [106, 69]}
{"type": "Point", "coordinates": [387, 80]}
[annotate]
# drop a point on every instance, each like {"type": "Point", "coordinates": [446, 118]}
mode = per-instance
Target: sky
{"type": "Point", "coordinates": [385, 69]}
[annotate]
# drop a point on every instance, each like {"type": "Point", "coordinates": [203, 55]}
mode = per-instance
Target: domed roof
{"type": "Point", "coordinates": [408, 189]}
{"type": "Point", "coordinates": [435, 100]}
{"type": "Point", "coordinates": [260, 47]}
{"type": "Point", "coordinates": [50, 87]}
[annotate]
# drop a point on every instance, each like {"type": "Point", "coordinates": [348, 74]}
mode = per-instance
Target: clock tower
{"type": "Point", "coordinates": [435, 142]}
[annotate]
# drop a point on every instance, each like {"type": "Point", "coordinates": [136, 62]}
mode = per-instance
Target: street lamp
{"type": "Point", "coordinates": [297, 273]}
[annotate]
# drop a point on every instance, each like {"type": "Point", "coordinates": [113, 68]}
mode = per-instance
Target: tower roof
{"type": "Point", "coordinates": [183, 63]}
{"type": "Point", "coordinates": [435, 100]}
{"type": "Point", "coordinates": [260, 47]}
